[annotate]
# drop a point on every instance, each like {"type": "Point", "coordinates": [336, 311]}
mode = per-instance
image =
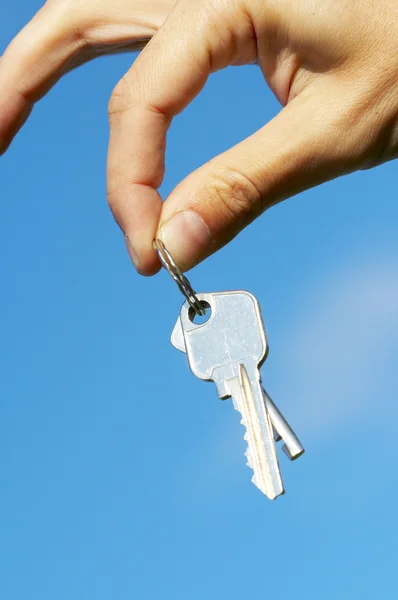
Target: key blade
{"type": "Point", "coordinates": [261, 451]}
{"type": "Point", "coordinates": [292, 446]}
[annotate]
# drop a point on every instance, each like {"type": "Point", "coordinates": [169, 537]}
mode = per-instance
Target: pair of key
{"type": "Point", "coordinates": [229, 349]}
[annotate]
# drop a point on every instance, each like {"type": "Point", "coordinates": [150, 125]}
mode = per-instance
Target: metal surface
{"type": "Point", "coordinates": [261, 453]}
{"type": "Point", "coordinates": [228, 349]}
{"type": "Point", "coordinates": [292, 446]}
{"type": "Point", "coordinates": [183, 283]}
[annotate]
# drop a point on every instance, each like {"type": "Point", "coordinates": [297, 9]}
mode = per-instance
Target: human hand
{"type": "Point", "coordinates": [332, 64]}
{"type": "Point", "coordinates": [63, 35]}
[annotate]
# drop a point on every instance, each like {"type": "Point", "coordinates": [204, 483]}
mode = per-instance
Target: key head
{"type": "Point", "coordinates": [233, 334]}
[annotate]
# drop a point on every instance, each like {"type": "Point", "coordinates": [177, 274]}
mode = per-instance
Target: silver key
{"type": "Point", "coordinates": [228, 349]}
{"type": "Point", "coordinates": [282, 430]}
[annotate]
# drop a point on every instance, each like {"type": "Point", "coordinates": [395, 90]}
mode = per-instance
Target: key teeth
{"type": "Point", "coordinates": [249, 462]}
{"type": "Point", "coordinates": [235, 405]}
{"type": "Point", "coordinates": [255, 482]}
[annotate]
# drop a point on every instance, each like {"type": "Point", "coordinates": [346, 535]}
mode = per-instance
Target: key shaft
{"type": "Point", "coordinates": [261, 453]}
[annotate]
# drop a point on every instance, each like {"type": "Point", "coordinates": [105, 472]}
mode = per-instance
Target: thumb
{"type": "Point", "coordinates": [303, 146]}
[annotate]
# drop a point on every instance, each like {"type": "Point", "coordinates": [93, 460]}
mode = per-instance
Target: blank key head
{"type": "Point", "coordinates": [233, 332]}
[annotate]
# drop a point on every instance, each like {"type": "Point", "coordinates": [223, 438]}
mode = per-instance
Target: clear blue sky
{"type": "Point", "coordinates": [121, 475]}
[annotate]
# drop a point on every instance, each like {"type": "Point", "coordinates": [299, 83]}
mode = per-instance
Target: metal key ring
{"type": "Point", "coordinates": [183, 284]}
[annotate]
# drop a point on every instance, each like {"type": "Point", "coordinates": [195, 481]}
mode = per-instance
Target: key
{"type": "Point", "coordinates": [228, 349]}
{"type": "Point", "coordinates": [282, 431]}
{"type": "Point", "coordinates": [292, 446]}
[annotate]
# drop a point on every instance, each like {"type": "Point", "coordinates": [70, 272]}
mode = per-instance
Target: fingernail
{"type": "Point", "coordinates": [186, 237]}
{"type": "Point", "coordinates": [131, 253]}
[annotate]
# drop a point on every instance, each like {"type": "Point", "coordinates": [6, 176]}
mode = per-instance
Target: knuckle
{"type": "Point", "coordinates": [69, 24]}
{"type": "Point", "coordinates": [120, 100]}
{"type": "Point", "coordinates": [234, 195]}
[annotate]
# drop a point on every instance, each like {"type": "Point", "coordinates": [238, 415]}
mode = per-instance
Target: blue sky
{"type": "Point", "coordinates": [121, 474]}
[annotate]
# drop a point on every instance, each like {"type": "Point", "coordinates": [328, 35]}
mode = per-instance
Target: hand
{"type": "Point", "coordinates": [63, 35]}
{"type": "Point", "coordinates": [333, 64]}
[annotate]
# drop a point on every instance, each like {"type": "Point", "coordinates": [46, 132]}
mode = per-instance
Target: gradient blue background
{"type": "Point", "coordinates": [121, 475]}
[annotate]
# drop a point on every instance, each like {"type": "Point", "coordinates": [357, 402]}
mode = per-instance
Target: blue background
{"type": "Point", "coordinates": [121, 474]}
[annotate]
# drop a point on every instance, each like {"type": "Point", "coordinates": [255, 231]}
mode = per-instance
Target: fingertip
{"type": "Point", "coordinates": [150, 270]}
{"type": "Point", "coordinates": [148, 267]}
{"type": "Point", "coordinates": [145, 262]}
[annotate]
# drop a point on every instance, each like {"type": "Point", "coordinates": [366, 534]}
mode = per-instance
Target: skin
{"type": "Point", "coordinates": [332, 64]}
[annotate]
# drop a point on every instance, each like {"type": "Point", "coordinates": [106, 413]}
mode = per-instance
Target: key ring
{"type": "Point", "coordinates": [183, 284]}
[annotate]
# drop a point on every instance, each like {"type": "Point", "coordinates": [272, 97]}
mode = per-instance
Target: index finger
{"type": "Point", "coordinates": [32, 63]}
{"type": "Point", "coordinates": [166, 76]}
